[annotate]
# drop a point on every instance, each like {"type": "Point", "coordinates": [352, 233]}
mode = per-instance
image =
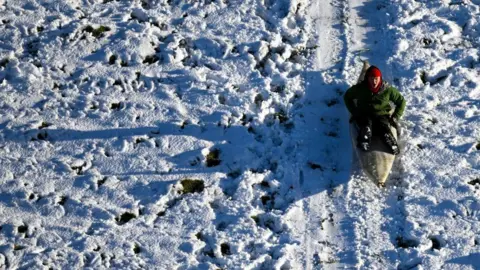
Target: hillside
{"type": "Point", "coordinates": [174, 134]}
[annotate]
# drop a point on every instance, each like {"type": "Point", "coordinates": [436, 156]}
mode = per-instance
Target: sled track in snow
{"type": "Point", "coordinates": [377, 213]}
{"type": "Point", "coordinates": [327, 231]}
{"type": "Point", "coordinates": [349, 223]}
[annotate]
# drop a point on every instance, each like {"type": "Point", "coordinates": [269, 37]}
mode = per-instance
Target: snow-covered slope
{"type": "Point", "coordinates": [176, 134]}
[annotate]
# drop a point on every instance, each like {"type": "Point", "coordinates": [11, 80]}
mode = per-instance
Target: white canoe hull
{"type": "Point", "coordinates": [377, 162]}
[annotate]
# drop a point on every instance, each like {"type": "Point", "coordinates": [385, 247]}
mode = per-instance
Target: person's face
{"type": "Point", "coordinates": [374, 81]}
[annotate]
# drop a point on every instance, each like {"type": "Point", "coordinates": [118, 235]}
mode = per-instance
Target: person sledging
{"type": "Point", "coordinates": [369, 104]}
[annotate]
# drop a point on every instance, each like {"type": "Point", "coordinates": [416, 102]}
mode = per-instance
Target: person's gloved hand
{"type": "Point", "coordinates": [394, 122]}
{"type": "Point", "coordinates": [354, 117]}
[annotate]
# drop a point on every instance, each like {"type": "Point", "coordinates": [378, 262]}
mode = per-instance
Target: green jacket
{"type": "Point", "coordinates": [377, 104]}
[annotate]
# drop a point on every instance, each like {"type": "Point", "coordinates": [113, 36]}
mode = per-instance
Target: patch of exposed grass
{"type": "Point", "coordinates": [18, 247]}
{"type": "Point", "coordinates": [332, 102]}
{"type": "Point", "coordinates": [4, 62]}
{"type": "Point", "coordinates": [315, 166]}
{"type": "Point", "coordinates": [115, 106]}
{"type": "Point", "coordinates": [150, 59]}
{"type": "Point", "coordinates": [265, 199]}
{"type": "Point", "coordinates": [42, 136]}
{"type": "Point", "coordinates": [290, 125]}
{"type": "Point", "coordinates": [427, 42]}
{"type": "Point", "coordinates": [33, 47]}
{"type": "Point", "coordinates": [423, 77]}
{"type": "Point", "coordinates": [184, 124]}
{"type": "Point", "coordinates": [278, 88]}
{"type": "Point", "coordinates": [192, 186]}
{"type": "Point", "coordinates": [234, 174]}
{"type": "Point", "coordinates": [474, 182]}
{"type": "Point", "coordinates": [436, 243]}
{"type": "Point", "coordinates": [112, 59]}
{"type": "Point", "coordinates": [101, 181]}
{"type": "Point", "coordinates": [330, 261]}
{"type": "Point", "coordinates": [264, 184]}
{"type": "Point", "coordinates": [194, 162]}
{"type": "Point", "coordinates": [282, 116]}
{"type": "Point", "coordinates": [98, 32]}
{"type": "Point", "coordinates": [209, 253]}
{"type": "Point", "coordinates": [221, 99]}
{"type": "Point", "coordinates": [332, 134]}
{"type": "Point", "coordinates": [213, 158]}
{"type": "Point", "coordinates": [140, 140]}
{"type": "Point", "coordinates": [44, 125]}
{"type": "Point", "coordinates": [22, 229]}
{"type": "Point", "coordinates": [78, 169]}
{"type": "Point", "coordinates": [225, 249]}
{"type": "Point", "coordinates": [258, 100]}
{"type": "Point", "coordinates": [124, 218]}
{"type": "Point", "coordinates": [433, 120]}
{"type": "Point", "coordinates": [406, 243]}
{"type": "Point", "coordinates": [63, 200]}
{"type": "Point", "coordinates": [137, 249]}
{"type": "Point", "coordinates": [222, 226]}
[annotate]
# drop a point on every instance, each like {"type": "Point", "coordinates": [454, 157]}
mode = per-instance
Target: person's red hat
{"type": "Point", "coordinates": [373, 71]}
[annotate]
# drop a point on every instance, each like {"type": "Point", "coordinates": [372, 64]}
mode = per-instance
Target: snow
{"type": "Point", "coordinates": [113, 112]}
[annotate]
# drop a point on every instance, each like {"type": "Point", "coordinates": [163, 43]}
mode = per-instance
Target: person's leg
{"type": "Point", "coordinates": [383, 123]}
{"type": "Point", "coordinates": [364, 125]}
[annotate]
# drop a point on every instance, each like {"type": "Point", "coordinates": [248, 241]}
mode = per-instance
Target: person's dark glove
{"type": "Point", "coordinates": [394, 122]}
{"type": "Point", "coordinates": [354, 116]}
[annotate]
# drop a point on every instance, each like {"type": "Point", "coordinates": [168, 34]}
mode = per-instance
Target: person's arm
{"type": "Point", "coordinates": [348, 98]}
{"type": "Point", "coordinates": [399, 102]}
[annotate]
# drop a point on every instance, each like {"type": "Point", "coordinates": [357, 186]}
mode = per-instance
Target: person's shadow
{"type": "Point", "coordinates": [326, 148]}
